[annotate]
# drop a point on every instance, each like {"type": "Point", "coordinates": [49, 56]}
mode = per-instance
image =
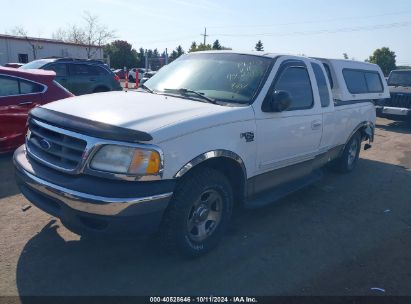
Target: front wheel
{"type": "Point", "coordinates": [198, 214]}
{"type": "Point", "coordinates": [349, 158]}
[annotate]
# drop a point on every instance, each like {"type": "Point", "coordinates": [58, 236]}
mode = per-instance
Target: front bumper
{"type": "Point", "coordinates": [85, 211]}
{"type": "Point", "coordinates": [396, 111]}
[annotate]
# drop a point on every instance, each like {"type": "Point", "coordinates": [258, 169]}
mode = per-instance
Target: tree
{"type": "Point", "coordinates": [345, 55]}
{"type": "Point", "coordinates": [121, 54]}
{"type": "Point", "coordinates": [259, 46]}
{"type": "Point", "coordinates": [385, 58]}
{"type": "Point", "coordinates": [217, 45]}
{"type": "Point", "coordinates": [193, 47]}
{"type": "Point", "coordinates": [200, 47]}
{"type": "Point", "coordinates": [179, 51]}
{"type": "Point", "coordinates": [21, 31]}
{"type": "Point", "coordinates": [176, 53]}
{"type": "Point", "coordinates": [92, 34]}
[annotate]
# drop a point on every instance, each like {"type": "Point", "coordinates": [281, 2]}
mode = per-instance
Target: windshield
{"type": "Point", "coordinates": [220, 76]}
{"type": "Point", "coordinates": [400, 78]}
{"type": "Point", "coordinates": [36, 64]}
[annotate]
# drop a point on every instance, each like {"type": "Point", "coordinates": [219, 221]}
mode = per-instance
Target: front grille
{"type": "Point", "coordinates": [55, 148]}
{"type": "Point", "coordinates": [399, 101]}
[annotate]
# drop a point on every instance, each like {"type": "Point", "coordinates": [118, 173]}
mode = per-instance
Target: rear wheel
{"type": "Point", "coordinates": [349, 158]}
{"type": "Point", "coordinates": [199, 213]}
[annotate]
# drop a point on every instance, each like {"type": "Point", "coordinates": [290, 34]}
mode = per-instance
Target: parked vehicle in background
{"type": "Point", "coordinates": [399, 104]}
{"type": "Point", "coordinates": [147, 76]}
{"type": "Point", "coordinates": [15, 65]}
{"type": "Point", "coordinates": [121, 74]}
{"type": "Point", "coordinates": [182, 152]}
{"type": "Point", "coordinates": [79, 76]}
{"type": "Point", "coordinates": [133, 72]}
{"type": "Point", "coordinates": [20, 91]}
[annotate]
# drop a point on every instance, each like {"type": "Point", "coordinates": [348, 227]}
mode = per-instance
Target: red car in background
{"type": "Point", "coordinates": [20, 91]}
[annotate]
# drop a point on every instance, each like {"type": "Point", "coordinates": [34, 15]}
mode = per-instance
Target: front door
{"type": "Point", "coordinates": [293, 136]}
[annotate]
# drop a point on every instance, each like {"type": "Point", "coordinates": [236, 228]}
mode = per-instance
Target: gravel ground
{"type": "Point", "coordinates": [341, 236]}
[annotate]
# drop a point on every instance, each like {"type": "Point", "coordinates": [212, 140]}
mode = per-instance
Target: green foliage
{"type": "Point", "coordinates": [193, 47]}
{"type": "Point", "coordinates": [207, 47]}
{"type": "Point", "coordinates": [217, 45]}
{"type": "Point", "coordinates": [176, 53]}
{"type": "Point", "coordinates": [259, 46]}
{"type": "Point", "coordinates": [385, 58]}
{"type": "Point", "coordinates": [121, 54]}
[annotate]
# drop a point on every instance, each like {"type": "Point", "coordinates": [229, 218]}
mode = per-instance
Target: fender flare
{"type": "Point", "coordinates": [370, 127]}
{"type": "Point", "coordinates": [210, 155]}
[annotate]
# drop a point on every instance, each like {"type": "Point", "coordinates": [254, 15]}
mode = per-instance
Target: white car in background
{"type": "Point", "coordinates": [132, 73]}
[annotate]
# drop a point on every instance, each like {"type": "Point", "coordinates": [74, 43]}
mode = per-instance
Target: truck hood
{"type": "Point", "coordinates": [161, 116]}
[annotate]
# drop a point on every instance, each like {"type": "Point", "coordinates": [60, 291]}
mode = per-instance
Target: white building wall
{"type": "Point", "coordinates": [11, 48]}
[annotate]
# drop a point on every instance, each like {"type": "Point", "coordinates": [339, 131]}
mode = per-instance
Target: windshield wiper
{"type": "Point", "coordinates": [184, 91]}
{"type": "Point", "coordinates": [146, 88]}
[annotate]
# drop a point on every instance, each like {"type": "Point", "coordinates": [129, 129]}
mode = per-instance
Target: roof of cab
{"type": "Point", "coordinates": [254, 53]}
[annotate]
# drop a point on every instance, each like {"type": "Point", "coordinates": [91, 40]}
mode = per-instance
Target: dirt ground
{"type": "Point", "coordinates": [343, 235]}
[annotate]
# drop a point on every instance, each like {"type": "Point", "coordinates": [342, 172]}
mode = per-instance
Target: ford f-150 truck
{"type": "Point", "coordinates": [208, 133]}
{"type": "Point", "coordinates": [399, 104]}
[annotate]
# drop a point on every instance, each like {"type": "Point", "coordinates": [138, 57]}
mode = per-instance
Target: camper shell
{"type": "Point", "coordinates": [353, 81]}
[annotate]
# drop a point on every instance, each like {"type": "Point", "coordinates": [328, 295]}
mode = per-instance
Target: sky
{"type": "Point", "coordinates": [323, 28]}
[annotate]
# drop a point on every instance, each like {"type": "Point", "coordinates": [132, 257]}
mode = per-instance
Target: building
{"type": "Point", "coordinates": [26, 49]}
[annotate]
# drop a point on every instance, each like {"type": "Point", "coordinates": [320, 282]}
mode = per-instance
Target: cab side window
{"type": "Point", "coordinates": [296, 81]}
{"type": "Point", "coordinates": [322, 85]}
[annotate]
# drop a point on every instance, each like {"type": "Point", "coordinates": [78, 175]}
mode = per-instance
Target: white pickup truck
{"type": "Point", "coordinates": [207, 133]}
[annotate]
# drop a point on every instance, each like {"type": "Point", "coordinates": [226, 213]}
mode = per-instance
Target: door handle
{"type": "Point", "coordinates": [25, 103]}
{"type": "Point", "coordinates": [92, 79]}
{"type": "Point", "coordinates": [316, 124]}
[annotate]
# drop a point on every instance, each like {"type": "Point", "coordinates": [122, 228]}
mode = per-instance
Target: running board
{"type": "Point", "coordinates": [277, 193]}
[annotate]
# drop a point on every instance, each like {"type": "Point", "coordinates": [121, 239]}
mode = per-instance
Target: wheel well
{"type": "Point", "coordinates": [232, 170]}
{"type": "Point", "coordinates": [363, 133]}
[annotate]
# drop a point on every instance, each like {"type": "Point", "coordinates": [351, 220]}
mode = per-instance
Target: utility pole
{"type": "Point", "coordinates": [205, 35]}
{"type": "Point", "coordinates": [146, 60]}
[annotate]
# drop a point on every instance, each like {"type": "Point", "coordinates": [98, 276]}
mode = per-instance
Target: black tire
{"type": "Point", "coordinates": [100, 90]}
{"type": "Point", "coordinates": [185, 211]}
{"type": "Point", "coordinates": [349, 158]}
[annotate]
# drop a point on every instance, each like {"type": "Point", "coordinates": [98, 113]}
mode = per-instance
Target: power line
{"type": "Point", "coordinates": [314, 21]}
{"type": "Point", "coordinates": [324, 31]}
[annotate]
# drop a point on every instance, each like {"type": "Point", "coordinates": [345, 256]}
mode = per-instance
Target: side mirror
{"type": "Point", "coordinates": [280, 101]}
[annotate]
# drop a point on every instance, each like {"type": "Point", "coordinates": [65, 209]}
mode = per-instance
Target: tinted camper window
{"type": "Point", "coordinates": [362, 82]}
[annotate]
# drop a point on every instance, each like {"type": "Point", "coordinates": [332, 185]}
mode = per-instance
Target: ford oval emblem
{"type": "Point", "coordinates": [45, 144]}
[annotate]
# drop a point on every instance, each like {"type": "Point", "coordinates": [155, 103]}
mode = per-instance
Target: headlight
{"type": "Point", "coordinates": [126, 160]}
